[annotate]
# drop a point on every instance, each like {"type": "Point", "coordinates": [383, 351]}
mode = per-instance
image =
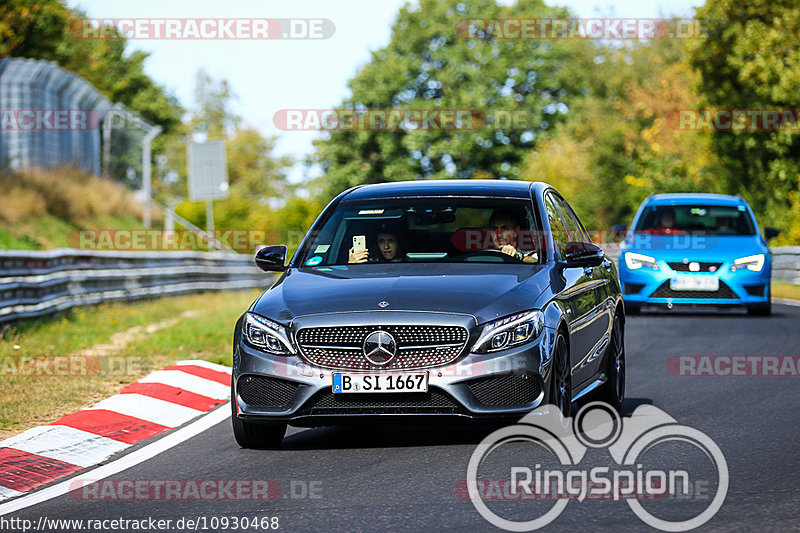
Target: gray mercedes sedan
{"type": "Point", "coordinates": [429, 300]}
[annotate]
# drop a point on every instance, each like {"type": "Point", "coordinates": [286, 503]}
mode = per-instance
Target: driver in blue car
{"type": "Point", "coordinates": [504, 230]}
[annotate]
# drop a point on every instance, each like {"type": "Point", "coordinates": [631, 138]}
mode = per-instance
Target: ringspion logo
{"type": "Point", "coordinates": [547, 489]}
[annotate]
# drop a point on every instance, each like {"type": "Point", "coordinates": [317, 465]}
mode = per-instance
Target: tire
{"type": "Point", "coordinates": [613, 392]}
{"type": "Point", "coordinates": [257, 436]}
{"type": "Point", "coordinates": [760, 310]}
{"type": "Point", "coordinates": [561, 378]}
{"type": "Point", "coordinates": [764, 309]}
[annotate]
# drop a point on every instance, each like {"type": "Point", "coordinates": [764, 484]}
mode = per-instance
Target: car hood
{"type": "Point", "coordinates": [484, 291]}
{"type": "Point", "coordinates": [694, 247]}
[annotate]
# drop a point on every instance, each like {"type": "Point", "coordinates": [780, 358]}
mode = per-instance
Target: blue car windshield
{"type": "Point", "coordinates": [695, 219]}
{"type": "Point", "coordinates": [427, 230]}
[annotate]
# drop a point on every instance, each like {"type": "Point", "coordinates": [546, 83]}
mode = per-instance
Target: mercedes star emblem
{"type": "Point", "coordinates": [379, 347]}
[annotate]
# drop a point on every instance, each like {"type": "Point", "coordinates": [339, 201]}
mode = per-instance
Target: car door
{"type": "Point", "coordinates": [577, 297]}
{"type": "Point", "coordinates": [593, 320]}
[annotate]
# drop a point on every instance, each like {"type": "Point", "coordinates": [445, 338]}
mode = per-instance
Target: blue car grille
{"type": "Point", "coordinates": [704, 266]}
{"type": "Point", "coordinates": [724, 292]}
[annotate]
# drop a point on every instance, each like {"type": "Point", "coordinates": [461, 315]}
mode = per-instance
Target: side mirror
{"type": "Point", "coordinates": [583, 254]}
{"type": "Point", "coordinates": [272, 258]}
{"type": "Point", "coordinates": [771, 233]}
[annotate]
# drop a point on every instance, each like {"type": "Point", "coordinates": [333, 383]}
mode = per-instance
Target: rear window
{"type": "Point", "coordinates": [695, 219]}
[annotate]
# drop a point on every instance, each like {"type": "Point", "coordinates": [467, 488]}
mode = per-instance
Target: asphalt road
{"type": "Point", "coordinates": [405, 478]}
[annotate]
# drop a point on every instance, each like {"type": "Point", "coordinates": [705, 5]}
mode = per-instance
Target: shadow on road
{"type": "Point", "coordinates": [385, 436]}
{"type": "Point", "coordinates": [705, 313]}
{"type": "Point", "coordinates": [390, 435]}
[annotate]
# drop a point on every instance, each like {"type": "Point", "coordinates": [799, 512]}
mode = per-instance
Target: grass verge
{"type": "Point", "coordinates": [789, 291]}
{"type": "Point", "coordinates": [123, 341]}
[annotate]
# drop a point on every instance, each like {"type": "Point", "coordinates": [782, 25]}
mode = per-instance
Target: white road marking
{"type": "Point", "coordinates": [66, 444]}
{"type": "Point", "coordinates": [148, 451]}
{"type": "Point", "coordinates": [189, 382]}
{"type": "Point", "coordinates": [151, 409]}
{"type": "Point", "coordinates": [206, 364]}
{"type": "Point", "coordinates": [6, 493]}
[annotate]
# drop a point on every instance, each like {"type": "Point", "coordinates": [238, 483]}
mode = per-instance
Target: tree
{"type": "Point", "coordinates": [47, 29]}
{"type": "Point", "coordinates": [618, 144]}
{"type": "Point", "coordinates": [259, 189]}
{"type": "Point", "coordinates": [430, 65]}
{"type": "Point", "coordinates": [751, 60]}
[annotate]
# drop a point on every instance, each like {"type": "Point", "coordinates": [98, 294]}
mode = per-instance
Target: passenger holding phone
{"type": "Point", "coordinates": [388, 244]}
{"type": "Point", "coordinates": [358, 253]}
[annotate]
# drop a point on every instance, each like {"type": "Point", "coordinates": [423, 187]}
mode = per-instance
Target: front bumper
{"type": "Point", "coordinates": [509, 383]}
{"type": "Point", "coordinates": [743, 287]}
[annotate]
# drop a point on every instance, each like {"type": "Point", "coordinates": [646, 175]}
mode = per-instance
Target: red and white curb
{"type": "Point", "coordinates": [163, 400]}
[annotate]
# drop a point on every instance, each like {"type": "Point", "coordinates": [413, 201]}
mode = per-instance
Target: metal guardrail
{"type": "Point", "coordinates": [786, 264]}
{"type": "Point", "coordinates": [785, 261]}
{"type": "Point", "coordinates": [40, 283]}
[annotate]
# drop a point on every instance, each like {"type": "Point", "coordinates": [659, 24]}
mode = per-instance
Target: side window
{"type": "Point", "coordinates": [574, 227]}
{"type": "Point", "coordinates": [586, 236]}
{"type": "Point", "coordinates": [560, 235]}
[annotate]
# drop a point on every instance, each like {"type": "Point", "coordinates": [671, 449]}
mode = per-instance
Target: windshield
{"type": "Point", "coordinates": [427, 230]}
{"type": "Point", "coordinates": [703, 219]}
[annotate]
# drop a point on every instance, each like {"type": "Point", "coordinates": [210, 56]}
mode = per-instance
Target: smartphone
{"type": "Point", "coordinates": [359, 243]}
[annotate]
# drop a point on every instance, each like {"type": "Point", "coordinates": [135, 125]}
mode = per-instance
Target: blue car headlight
{"type": "Point", "coordinates": [635, 261]}
{"type": "Point", "coordinates": [510, 331]}
{"type": "Point", "coordinates": [266, 335]}
{"type": "Point", "coordinates": [751, 262]}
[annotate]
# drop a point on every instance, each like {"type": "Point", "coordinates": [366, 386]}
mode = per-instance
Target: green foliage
{"type": "Point", "coordinates": [47, 29]}
{"type": "Point", "coordinates": [430, 65]}
{"type": "Point", "coordinates": [259, 197]}
{"type": "Point", "coordinates": [618, 145]}
{"type": "Point", "coordinates": [752, 61]}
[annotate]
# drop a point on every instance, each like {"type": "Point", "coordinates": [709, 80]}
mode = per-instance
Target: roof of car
{"type": "Point", "coordinates": [695, 198]}
{"type": "Point", "coordinates": [498, 187]}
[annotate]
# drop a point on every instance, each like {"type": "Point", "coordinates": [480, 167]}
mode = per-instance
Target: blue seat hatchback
{"type": "Point", "coordinates": [696, 249]}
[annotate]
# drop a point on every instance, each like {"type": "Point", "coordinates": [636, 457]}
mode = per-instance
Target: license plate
{"type": "Point", "coordinates": [694, 283]}
{"type": "Point", "coordinates": [372, 383]}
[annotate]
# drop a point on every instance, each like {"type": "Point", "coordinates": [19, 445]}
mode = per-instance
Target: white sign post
{"type": "Point", "coordinates": [208, 177]}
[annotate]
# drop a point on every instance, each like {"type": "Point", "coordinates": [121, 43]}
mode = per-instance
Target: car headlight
{"type": "Point", "coordinates": [266, 335]}
{"type": "Point", "coordinates": [510, 331]}
{"type": "Point", "coordinates": [751, 262]}
{"type": "Point", "coordinates": [634, 261]}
